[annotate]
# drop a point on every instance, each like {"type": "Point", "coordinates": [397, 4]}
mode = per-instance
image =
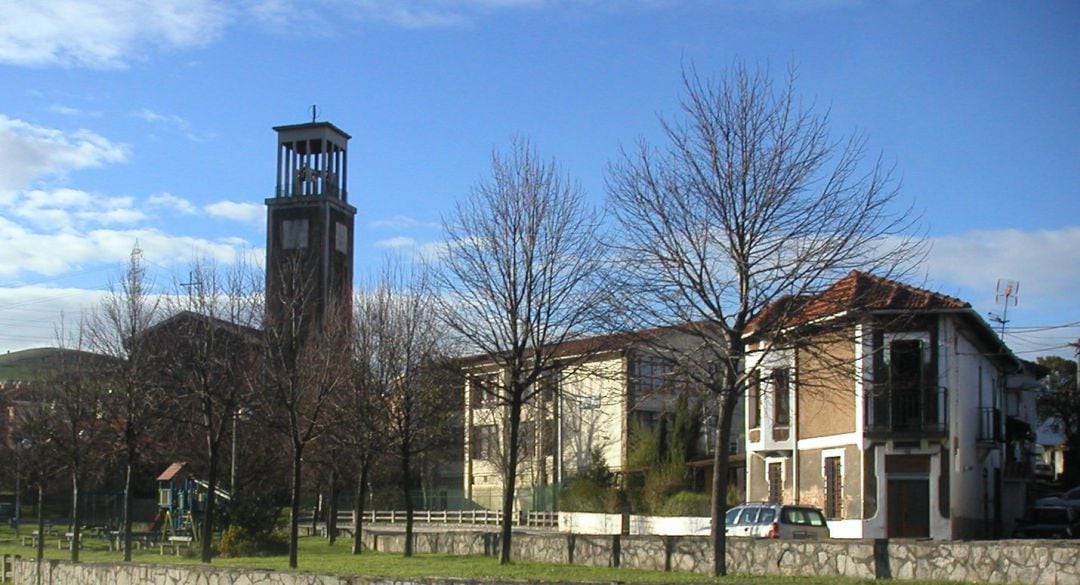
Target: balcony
{"type": "Point", "coordinates": [907, 412]}
{"type": "Point", "coordinates": [989, 425]}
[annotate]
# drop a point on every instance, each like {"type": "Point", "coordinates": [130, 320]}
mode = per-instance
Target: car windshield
{"type": "Point", "coordinates": [729, 518]}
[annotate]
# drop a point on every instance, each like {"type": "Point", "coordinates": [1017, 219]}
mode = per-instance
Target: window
{"type": "Point", "coordinates": [753, 400]}
{"type": "Point", "coordinates": [341, 238]}
{"type": "Point", "coordinates": [484, 442]}
{"type": "Point", "coordinates": [526, 439]}
{"type": "Point", "coordinates": [548, 440]}
{"type": "Point", "coordinates": [905, 359]}
{"type": "Point", "coordinates": [833, 488]}
{"type": "Point", "coordinates": [776, 482]}
{"type": "Point", "coordinates": [294, 234]}
{"type": "Point", "coordinates": [781, 398]}
{"type": "Point", "coordinates": [649, 375]}
{"type": "Point", "coordinates": [484, 389]}
{"type": "Point", "coordinates": [549, 387]}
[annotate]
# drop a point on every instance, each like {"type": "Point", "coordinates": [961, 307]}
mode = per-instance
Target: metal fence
{"type": "Point", "coordinates": [462, 517]}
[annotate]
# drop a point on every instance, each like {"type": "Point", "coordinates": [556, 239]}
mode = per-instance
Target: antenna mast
{"type": "Point", "coordinates": [1007, 292]}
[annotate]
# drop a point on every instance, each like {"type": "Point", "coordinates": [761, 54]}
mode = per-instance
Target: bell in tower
{"type": "Point", "coordinates": [309, 223]}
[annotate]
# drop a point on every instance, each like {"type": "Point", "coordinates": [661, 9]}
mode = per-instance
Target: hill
{"type": "Point", "coordinates": [33, 364]}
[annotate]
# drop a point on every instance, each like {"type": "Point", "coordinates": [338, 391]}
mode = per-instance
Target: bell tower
{"type": "Point", "coordinates": [309, 228]}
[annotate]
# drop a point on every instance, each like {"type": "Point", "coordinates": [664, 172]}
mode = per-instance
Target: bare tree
{"type": "Point", "coordinates": [126, 312]}
{"type": "Point", "coordinates": [76, 392]}
{"type": "Point", "coordinates": [213, 348]}
{"type": "Point", "coordinates": [38, 458]}
{"type": "Point", "coordinates": [357, 431]}
{"type": "Point", "coordinates": [408, 367]}
{"type": "Point", "coordinates": [519, 278]}
{"type": "Point", "coordinates": [304, 366]}
{"type": "Point", "coordinates": [748, 202]}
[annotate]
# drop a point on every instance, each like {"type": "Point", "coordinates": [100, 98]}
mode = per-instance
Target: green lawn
{"type": "Point", "coordinates": [316, 556]}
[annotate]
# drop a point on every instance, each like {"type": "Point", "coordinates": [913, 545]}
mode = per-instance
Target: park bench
{"type": "Point", "coordinates": [176, 544]}
{"type": "Point", "coordinates": [68, 541]}
{"type": "Point", "coordinates": [139, 540]}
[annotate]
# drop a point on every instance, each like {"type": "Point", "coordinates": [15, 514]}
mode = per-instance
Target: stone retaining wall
{"type": "Point", "coordinates": [1037, 562]}
{"type": "Point", "coordinates": [1008, 561]}
{"type": "Point", "coordinates": [66, 573]}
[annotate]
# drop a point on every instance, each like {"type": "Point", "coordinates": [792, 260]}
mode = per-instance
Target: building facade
{"type": "Point", "coordinates": [589, 409]}
{"type": "Point", "coordinates": [896, 410]}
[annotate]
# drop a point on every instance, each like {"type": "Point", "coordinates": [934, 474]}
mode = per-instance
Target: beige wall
{"type": "Point", "coordinates": [592, 398]}
{"type": "Point", "coordinates": [812, 479]}
{"type": "Point", "coordinates": [826, 386]}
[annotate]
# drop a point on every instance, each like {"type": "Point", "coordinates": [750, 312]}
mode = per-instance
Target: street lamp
{"type": "Point", "coordinates": [237, 414]}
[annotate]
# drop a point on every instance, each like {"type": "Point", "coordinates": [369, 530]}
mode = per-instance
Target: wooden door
{"type": "Point", "coordinates": [909, 508]}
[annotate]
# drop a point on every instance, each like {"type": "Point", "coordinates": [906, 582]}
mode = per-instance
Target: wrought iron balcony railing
{"type": "Point", "coordinates": [907, 410]}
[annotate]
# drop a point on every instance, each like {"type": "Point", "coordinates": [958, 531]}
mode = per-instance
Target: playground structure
{"type": "Point", "coordinates": [182, 502]}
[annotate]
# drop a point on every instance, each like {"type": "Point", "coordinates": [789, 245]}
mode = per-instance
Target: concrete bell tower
{"type": "Point", "coordinates": [309, 228]}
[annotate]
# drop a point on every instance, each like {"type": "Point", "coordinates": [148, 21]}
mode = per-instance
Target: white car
{"type": "Point", "coordinates": [776, 521]}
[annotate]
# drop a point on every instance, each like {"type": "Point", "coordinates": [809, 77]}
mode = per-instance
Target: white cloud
{"type": "Point", "coordinates": [243, 212]}
{"type": "Point", "coordinates": [26, 251]}
{"type": "Point", "coordinates": [72, 112]}
{"type": "Point", "coordinates": [290, 14]}
{"type": "Point", "coordinates": [29, 152]}
{"type": "Point", "coordinates": [104, 34]}
{"type": "Point", "coordinates": [65, 210]}
{"type": "Point", "coordinates": [396, 243]}
{"type": "Point", "coordinates": [171, 202]}
{"type": "Point", "coordinates": [148, 115]}
{"type": "Point", "coordinates": [400, 222]}
{"type": "Point", "coordinates": [33, 316]}
{"type": "Point", "coordinates": [1046, 262]}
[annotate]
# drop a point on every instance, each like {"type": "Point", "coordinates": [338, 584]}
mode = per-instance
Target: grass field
{"type": "Point", "coordinates": [316, 556]}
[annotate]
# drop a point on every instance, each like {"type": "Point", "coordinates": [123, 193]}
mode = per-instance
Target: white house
{"type": "Point", "coordinates": [897, 410]}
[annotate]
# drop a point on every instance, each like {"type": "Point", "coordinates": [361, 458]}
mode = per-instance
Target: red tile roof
{"type": "Point", "coordinates": [856, 291]}
{"type": "Point", "coordinates": [588, 345]}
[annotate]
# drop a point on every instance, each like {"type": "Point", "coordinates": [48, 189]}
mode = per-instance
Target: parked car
{"type": "Point", "coordinates": [1050, 522]}
{"type": "Point", "coordinates": [776, 521]}
{"type": "Point", "coordinates": [1043, 470]}
{"type": "Point", "coordinates": [1069, 499]}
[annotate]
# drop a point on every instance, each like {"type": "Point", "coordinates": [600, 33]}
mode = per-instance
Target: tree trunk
{"type": "Point", "coordinates": [40, 550]}
{"type": "Point", "coordinates": [76, 517]}
{"type": "Point", "coordinates": [294, 505]}
{"type": "Point", "coordinates": [211, 502]}
{"type": "Point", "coordinates": [126, 527]}
{"type": "Point", "coordinates": [358, 509]}
{"type": "Point", "coordinates": [510, 480]}
{"type": "Point", "coordinates": [726, 402]}
{"type": "Point", "coordinates": [316, 508]}
{"type": "Point", "coordinates": [406, 493]}
{"type": "Point", "coordinates": [332, 509]}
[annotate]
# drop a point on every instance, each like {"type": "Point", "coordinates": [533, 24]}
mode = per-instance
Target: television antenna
{"type": "Point", "coordinates": [1007, 292]}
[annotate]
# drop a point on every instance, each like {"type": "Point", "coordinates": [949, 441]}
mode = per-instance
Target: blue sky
{"type": "Point", "coordinates": [151, 119]}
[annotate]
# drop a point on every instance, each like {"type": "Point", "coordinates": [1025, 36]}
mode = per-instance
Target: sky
{"type": "Point", "coordinates": [149, 121]}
